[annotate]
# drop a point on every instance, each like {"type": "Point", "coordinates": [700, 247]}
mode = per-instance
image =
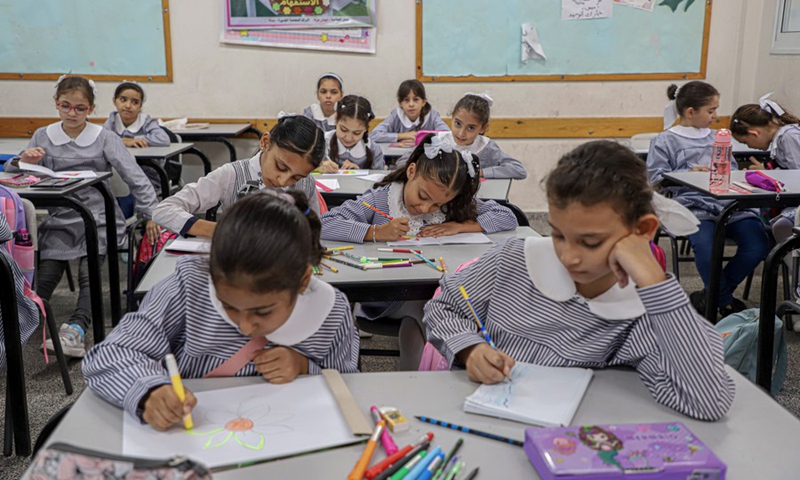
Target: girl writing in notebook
{"type": "Point", "coordinates": [768, 126]}
{"type": "Point", "coordinates": [349, 146]}
{"type": "Point", "coordinates": [433, 195]}
{"type": "Point", "coordinates": [687, 147]}
{"type": "Point", "coordinates": [329, 92]}
{"type": "Point", "coordinates": [75, 144]}
{"type": "Point", "coordinates": [592, 295]}
{"type": "Point", "coordinates": [413, 114]}
{"type": "Point", "coordinates": [289, 153]}
{"type": "Point", "coordinates": [252, 308]}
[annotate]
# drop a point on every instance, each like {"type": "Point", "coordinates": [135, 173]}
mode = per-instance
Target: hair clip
{"type": "Point", "coordinates": [677, 90]}
{"type": "Point", "coordinates": [484, 96]}
{"type": "Point", "coordinates": [770, 106]}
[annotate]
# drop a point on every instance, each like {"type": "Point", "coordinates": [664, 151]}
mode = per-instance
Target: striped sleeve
{"type": "Point", "coordinates": [678, 354]}
{"type": "Point", "coordinates": [350, 221]}
{"type": "Point", "coordinates": [125, 367]}
{"type": "Point", "coordinates": [499, 164]}
{"type": "Point", "coordinates": [493, 217]}
{"type": "Point", "coordinates": [448, 321]}
{"type": "Point", "coordinates": [174, 212]}
{"type": "Point", "coordinates": [337, 340]}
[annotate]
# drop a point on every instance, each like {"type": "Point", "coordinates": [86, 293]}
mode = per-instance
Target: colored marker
{"type": "Point", "coordinates": [437, 267]}
{"type": "Point", "coordinates": [449, 456]}
{"type": "Point", "coordinates": [376, 266]}
{"type": "Point", "coordinates": [361, 466]}
{"type": "Point", "coordinates": [446, 468]}
{"type": "Point", "coordinates": [399, 250]}
{"type": "Point", "coordinates": [401, 474]}
{"type": "Point", "coordinates": [177, 385]}
{"type": "Point", "coordinates": [455, 471]}
{"type": "Point", "coordinates": [415, 472]}
{"type": "Point", "coordinates": [470, 430]}
{"type": "Point", "coordinates": [389, 461]}
{"type": "Point", "coordinates": [334, 259]}
{"type": "Point", "coordinates": [379, 259]}
{"type": "Point", "coordinates": [350, 255]}
{"type": "Point", "coordinates": [444, 267]}
{"type": "Point", "coordinates": [480, 323]}
{"type": "Point", "coordinates": [332, 269]}
{"type": "Point", "coordinates": [428, 473]}
{"type": "Point", "coordinates": [380, 212]}
{"type": "Point", "coordinates": [474, 473]}
{"type": "Point", "coordinates": [386, 440]}
{"type": "Point", "coordinates": [339, 249]}
{"type": "Point", "coordinates": [398, 464]}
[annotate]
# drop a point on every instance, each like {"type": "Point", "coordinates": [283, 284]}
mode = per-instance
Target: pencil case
{"type": "Point", "coordinates": [422, 133]}
{"type": "Point", "coordinates": [642, 451]}
{"type": "Point", "coordinates": [63, 461]}
{"type": "Point", "coordinates": [761, 180]}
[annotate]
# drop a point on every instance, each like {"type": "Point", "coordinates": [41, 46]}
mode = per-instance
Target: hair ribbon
{"type": "Point", "coordinates": [444, 144]}
{"type": "Point", "coordinates": [671, 110]}
{"type": "Point", "coordinates": [484, 96]}
{"type": "Point", "coordinates": [770, 105]}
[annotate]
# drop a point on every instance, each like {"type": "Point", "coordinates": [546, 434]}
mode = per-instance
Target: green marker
{"type": "Point", "coordinates": [408, 466]}
{"type": "Point", "coordinates": [456, 468]}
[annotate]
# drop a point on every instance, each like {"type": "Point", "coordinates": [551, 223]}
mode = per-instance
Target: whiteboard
{"type": "Point", "coordinates": [480, 40]}
{"type": "Point", "coordinates": [105, 40]}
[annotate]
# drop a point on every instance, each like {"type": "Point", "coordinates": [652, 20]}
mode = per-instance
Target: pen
{"type": "Point", "coordinates": [361, 466]}
{"type": "Point", "coordinates": [471, 431]}
{"type": "Point", "coordinates": [456, 469]}
{"type": "Point", "coordinates": [428, 473]}
{"type": "Point", "coordinates": [177, 385]}
{"type": "Point", "coordinates": [380, 212]}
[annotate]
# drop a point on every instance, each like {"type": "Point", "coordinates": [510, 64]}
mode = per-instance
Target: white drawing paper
{"type": "Point", "coordinates": [531, 45]}
{"type": "Point", "coordinates": [641, 4]}
{"type": "Point", "coordinates": [246, 424]}
{"type": "Point", "coordinates": [586, 9]}
{"type": "Point", "coordinates": [373, 177]}
{"type": "Point", "coordinates": [190, 245]}
{"type": "Point", "coordinates": [330, 183]}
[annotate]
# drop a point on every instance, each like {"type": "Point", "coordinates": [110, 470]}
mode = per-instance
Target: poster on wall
{"type": "Point", "coordinates": [294, 14]}
{"type": "Point", "coordinates": [356, 40]}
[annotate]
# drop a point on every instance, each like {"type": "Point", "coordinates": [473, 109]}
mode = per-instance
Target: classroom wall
{"type": "Point", "coordinates": [231, 81]}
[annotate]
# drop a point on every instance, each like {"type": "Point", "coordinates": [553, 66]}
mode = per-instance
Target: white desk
{"type": "Point", "coordinates": [389, 151]}
{"type": "Point", "coordinates": [160, 152]}
{"type": "Point", "coordinates": [410, 283]}
{"type": "Point", "coordinates": [740, 150]}
{"type": "Point", "coordinates": [217, 132]}
{"type": "Point", "coordinates": [758, 439]}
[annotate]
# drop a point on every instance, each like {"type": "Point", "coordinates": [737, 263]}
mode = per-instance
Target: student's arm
{"type": "Point", "coordinates": [350, 221]}
{"type": "Point", "coordinates": [678, 354]}
{"type": "Point", "coordinates": [383, 132]}
{"type": "Point", "coordinates": [340, 338]}
{"type": "Point", "coordinates": [493, 217]}
{"type": "Point", "coordinates": [500, 164]}
{"type": "Point", "coordinates": [126, 366]}
{"type": "Point", "coordinates": [659, 160]}
{"type": "Point", "coordinates": [378, 162]}
{"type": "Point", "coordinates": [154, 134]}
{"type": "Point", "coordinates": [131, 173]}
{"type": "Point", "coordinates": [176, 213]}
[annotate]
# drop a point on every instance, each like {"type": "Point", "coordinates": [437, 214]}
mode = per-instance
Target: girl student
{"type": "Point", "coordinates": [329, 93]}
{"type": "Point", "coordinates": [349, 145]}
{"type": "Point", "coordinates": [75, 144]}
{"type": "Point", "coordinates": [592, 295]}
{"type": "Point", "coordinates": [288, 154]}
{"type": "Point", "coordinates": [413, 114]}
{"type": "Point", "coordinates": [768, 126]}
{"type": "Point", "coordinates": [252, 308]}
{"type": "Point", "coordinates": [137, 129]}
{"type": "Point", "coordinates": [470, 122]}
{"type": "Point", "coordinates": [433, 195]}
{"type": "Point", "coordinates": [687, 147]}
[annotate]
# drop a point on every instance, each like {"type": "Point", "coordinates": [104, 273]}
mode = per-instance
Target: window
{"type": "Point", "coordinates": [786, 38]}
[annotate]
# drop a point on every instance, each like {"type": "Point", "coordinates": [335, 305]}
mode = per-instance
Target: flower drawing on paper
{"type": "Point", "coordinates": [248, 425]}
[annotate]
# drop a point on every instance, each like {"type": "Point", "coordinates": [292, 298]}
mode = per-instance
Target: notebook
{"type": "Point", "coordinates": [34, 167]}
{"type": "Point", "coordinates": [459, 238]}
{"type": "Point", "coordinates": [190, 245]}
{"type": "Point", "coordinates": [536, 395]}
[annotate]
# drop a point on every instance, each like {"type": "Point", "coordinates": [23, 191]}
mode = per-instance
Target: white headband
{"type": "Point", "coordinates": [671, 111]}
{"type": "Point", "coordinates": [676, 218]}
{"type": "Point", "coordinates": [770, 106]}
{"type": "Point", "coordinates": [483, 96]}
{"type": "Point", "coordinates": [332, 75]}
{"type": "Point", "coordinates": [439, 145]}
{"type": "Point", "coordinates": [282, 114]}
{"type": "Point", "coordinates": [91, 84]}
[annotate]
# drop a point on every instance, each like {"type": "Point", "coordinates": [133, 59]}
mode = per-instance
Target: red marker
{"type": "Point", "coordinates": [379, 468]}
{"type": "Point", "coordinates": [399, 250]}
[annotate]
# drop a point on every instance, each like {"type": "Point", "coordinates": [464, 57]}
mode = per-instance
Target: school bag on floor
{"type": "Point", "coordinates": [740, 343]}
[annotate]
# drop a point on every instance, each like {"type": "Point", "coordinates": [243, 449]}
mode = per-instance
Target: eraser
{"type": "Point", "coordinates": [396, 421]}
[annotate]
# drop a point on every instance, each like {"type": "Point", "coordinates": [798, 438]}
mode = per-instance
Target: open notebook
{"type": "Point", "coordinates": [457, 239]}
{"type": "Point", "coordinates": [35, 167]}
{"type": "Point", "coordinates": [544, 396]}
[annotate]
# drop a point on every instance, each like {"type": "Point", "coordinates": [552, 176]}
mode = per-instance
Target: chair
{"type": "Point", "coordinates": [48, 429]}
{"type": "Point", "coordinates": [174, 167]}
{"type": "Point", "coordinates": [641, 143]}
{"type": "Point", "coordinates": [522, 219]}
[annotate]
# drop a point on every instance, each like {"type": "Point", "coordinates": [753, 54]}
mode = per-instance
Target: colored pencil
{"type": "Point", "coordinates": [471, 431]}
{"type": "Point", "coordinates": [399, 250]}
{"type": "Point", "coordinates": [332, 269]}
{"type": "Point", "coordinates": [480, 323]}
{"type": "Point", "coordinates": [437, 267]}
{"type": "Point", "coordinates": [379, 259]}
{"type": "Point", "coordinates": [444, 267]}
{"type": "Point", "coordinates": [380, 212]}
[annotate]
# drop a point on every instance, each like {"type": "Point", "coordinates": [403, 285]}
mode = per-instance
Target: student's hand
{"type": "Point", "coordinates": [348, 165]}
{"type": "Point", "coordinates": [394, 230]}
{"type": "Point", "coordinates": [700, 168]}
{"type": "Point", "coordinates": [280, 364]}
{"type": "Point", "coordinates": [162, 409]}
{"type": "Point", "coordinates": [328, 166]}
{"type": "Point", "coordinates": [485, 364]}
{"type": "Point", "coordinates": [407, 137]}
{"type": "Point", "coordinates": [632, 259]}
{"type": "Point", "coordinates": [135, 142]}
{"type": "Point", "coordinates": [449, 228]}
{"type": "Point", "coordinates": [32, 155]}
{"type": "Point", "coordinates": [755, 164]}
{"type": "Point", "coordinates": [153, 231]}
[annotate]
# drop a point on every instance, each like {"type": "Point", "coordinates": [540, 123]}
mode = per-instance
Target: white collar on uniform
{"type": "Point", "coordinates": [397, 209]}
{"type": "Point", "coordinates": [773, 145]}
{"type": "Point", "coordinates": [316, 110]}
{"type": "Point", "coordinates": [134, 127]}
{"type": "Point", "coordinates": [359, 150]}
{"type": "Point", "coordinates": [59, 137]}
{"type": "Point", "coordinates": [690, 132]}
{"type": "Point", "coordinates": [476, 147]}
{"type": "Point", "coordinates": [310, 311]}
{"type": "Point", "coordinates": [552, 279]}
{"type": "Point", "coordinates": [405, 120]}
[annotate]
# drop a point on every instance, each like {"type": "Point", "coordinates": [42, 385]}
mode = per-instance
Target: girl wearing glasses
{"type": "Point", "coordinates": [75, 144]}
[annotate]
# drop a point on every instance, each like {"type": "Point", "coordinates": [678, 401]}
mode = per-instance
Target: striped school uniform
{"type": "Point", "coordinates": [182, 316]}
{"type": "Point", "coordinates": [534, 313]}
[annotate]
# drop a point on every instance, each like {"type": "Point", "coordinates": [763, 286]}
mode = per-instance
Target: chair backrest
{"type": "Point", "coordinates": [522, 219]}
{"type": "Point", "coordinates": [641, 141]}
{"type": "Point", "coordinates": [173, 138]}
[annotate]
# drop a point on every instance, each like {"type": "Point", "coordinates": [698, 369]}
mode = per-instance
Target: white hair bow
{"type": "Point", "coordinates": [770, 106]}
{"type": "Point", "coordinates": [91, 84]}
{"type": "Point", "coordinates": [443, 144]}
{"type": "Point", "coordinates": [282, 114]}
{"type": "Point", "coordinates": [671, 111]}
{"type": "Point", "coordinates": [484, 96]}
{"type": "Point", "coordinates": [676, 218]}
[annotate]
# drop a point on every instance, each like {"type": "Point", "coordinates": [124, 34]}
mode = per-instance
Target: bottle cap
{"type": "Point", "coordinates": [723, 136]}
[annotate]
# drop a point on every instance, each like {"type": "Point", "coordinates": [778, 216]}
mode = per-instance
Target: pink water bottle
{"type": "Point", "coordinates": [721, 153]}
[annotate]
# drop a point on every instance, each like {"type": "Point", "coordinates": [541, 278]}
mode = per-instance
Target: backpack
{"type": "Point", "coordinates": [740, 344]}
{"type": "Point", "coordinates": [12, 208]}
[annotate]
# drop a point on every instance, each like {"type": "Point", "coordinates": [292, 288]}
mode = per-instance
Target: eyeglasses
{"type": "Point", "coordinates": [65, 107]}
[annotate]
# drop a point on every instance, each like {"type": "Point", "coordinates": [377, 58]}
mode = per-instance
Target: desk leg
{"type": "Point", "coordinates": [717, 253]}
{"type": "Point", "coordinates": [254, 131]}
{"type": "Point", "coordinates": [224, 141]}
{"type": "Point", "coordinates": [203, 158]}
{"type": "Point", "coordinates": [112, 256]}
{"type": "Point", "coordinates": [16, 402]}
{"type": "Point", "coordinates": [162, 174]}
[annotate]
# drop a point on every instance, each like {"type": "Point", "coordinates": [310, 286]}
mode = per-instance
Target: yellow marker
{"type": "Point", "coordinates": [177, 385]}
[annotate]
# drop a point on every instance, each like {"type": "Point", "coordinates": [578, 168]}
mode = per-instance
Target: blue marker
{"type": "Point", "coordinates": [469, 430]}
{"type": "Point", "coordinates": [422, 466]}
